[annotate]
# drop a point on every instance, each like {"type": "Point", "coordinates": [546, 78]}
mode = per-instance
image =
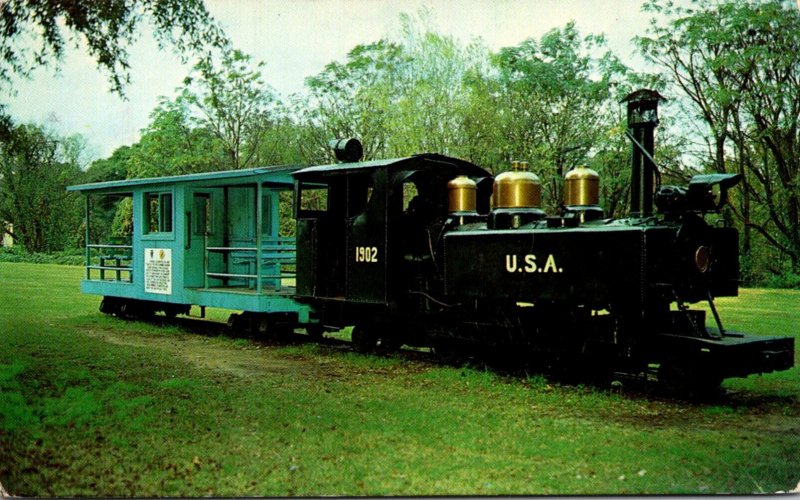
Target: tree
{"type": "Point", "coordinates": [551, 101]}
{"type": "Point", "coordinates": [36, 33]}
{"type": "Point", "coordinates": [35, 169]}
{"type": "Point", "coordinates": [221, 118]}
{"type": "Point", "coordinates": [558, 106]}
{"type": "Point", "coordinates": [351, 99]}
{"type": "Point", "coordinates": [171, 145]}
{"type": "Point", "coordinates": [233, 103]}
{"type": "Point", "coordinates": [431, 99]}
{"type": "Point", "coordinates": [401, 95]}
{"type": "Point", "coordinates": [738, 65]}
{"type": "Point", "coordinates": [113, 168]}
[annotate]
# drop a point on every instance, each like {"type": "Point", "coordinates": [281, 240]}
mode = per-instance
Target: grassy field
{"type": "Point", "coordinates": [91, 405]}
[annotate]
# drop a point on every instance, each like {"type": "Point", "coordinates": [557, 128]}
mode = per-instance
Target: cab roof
{"type": "Point", "coordinates": [425, 160]}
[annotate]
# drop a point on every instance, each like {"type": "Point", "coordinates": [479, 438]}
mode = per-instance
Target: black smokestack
{"type": "Point", "coordinates": [642, 122]}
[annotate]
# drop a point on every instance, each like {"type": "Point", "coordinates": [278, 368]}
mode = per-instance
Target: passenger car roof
{"type": "Point", "coordinates": [174, 179]}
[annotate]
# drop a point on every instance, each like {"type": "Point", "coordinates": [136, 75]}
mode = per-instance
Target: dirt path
{"type": "Point", "coordinates": [202, 349]}
{"type": "Point", "coordinates": [206, 353]}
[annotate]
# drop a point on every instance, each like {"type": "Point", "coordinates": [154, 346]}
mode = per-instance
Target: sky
{"type": "Point", "coordinates": [296, 39]}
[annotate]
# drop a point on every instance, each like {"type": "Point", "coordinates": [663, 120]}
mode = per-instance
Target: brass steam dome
{"type": "Point", "coordinates": [582, 187]}
{"type": "Point", "coordinates": [517, 188]}
{"type": "Point", "coordinates": [462, 195]}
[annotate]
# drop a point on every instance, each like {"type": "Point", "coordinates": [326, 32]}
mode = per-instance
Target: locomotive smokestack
{"type": "Point", "coordinates": [642, 122]}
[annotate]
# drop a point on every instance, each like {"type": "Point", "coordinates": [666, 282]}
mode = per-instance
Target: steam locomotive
{"type": "Point", "coordinates": [434, 251]}
{"type": "Point", "coordinates": [412, 251]}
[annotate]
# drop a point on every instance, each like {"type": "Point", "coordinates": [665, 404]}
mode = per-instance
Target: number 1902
{"type": "Point", "coordinates": [366, 254]}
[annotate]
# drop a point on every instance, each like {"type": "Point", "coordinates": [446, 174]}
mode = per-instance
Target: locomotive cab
{"type": "Point", "coordinates": [373, 235]}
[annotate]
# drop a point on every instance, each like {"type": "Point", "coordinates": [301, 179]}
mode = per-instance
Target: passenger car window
{"type": "Point", "coordinates": [158, 208]}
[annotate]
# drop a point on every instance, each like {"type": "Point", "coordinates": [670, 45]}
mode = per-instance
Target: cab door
{"type": "Point", "coordinates": [199, 227]}
{"type": "Point", "coordinates": [367, 252]}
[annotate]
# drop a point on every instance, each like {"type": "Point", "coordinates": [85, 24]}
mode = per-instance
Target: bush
{"type": "Point", "coordinates": [70, 257]}
{"type": "Point", "coordinates": [765, 268]}
{"type": "Point", "coordinates": [787, 280]}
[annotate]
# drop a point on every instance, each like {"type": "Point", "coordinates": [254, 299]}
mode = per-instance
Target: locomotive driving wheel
{"type": "Point", "coordinates": [448, 351]}
{"type": "Point", "coordinates": [315, 331]}
{"type": "Point", "coordinates": [363, 339]}
{"type": "Point", "coordinates": [390, 344]}
{"type": "Point", "coordinates": [685, 378]}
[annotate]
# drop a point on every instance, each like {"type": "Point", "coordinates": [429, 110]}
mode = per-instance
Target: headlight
{"type": "Point", "coordinates": [708, 193]}
{"type": "Point", "coordinates": [702, 258]}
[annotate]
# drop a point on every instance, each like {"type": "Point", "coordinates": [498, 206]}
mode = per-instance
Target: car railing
{"type": "Point", "coordinates": [277, 258]}
{"type": "Point", "coordinates": [105, 258]}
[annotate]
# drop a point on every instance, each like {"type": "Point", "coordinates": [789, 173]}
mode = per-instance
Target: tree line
{"type": "Point", "coordinates": [730, 71]}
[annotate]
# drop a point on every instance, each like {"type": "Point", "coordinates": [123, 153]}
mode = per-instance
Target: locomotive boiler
{"type": "Point", "coordinates": [433, 251]}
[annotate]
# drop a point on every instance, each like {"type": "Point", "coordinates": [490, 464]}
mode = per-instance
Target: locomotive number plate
{"type": "Point", "coordinates": [367, 254]}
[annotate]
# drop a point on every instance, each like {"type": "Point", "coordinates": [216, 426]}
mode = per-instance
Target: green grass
{"type": "Point", "coordinates": [96, 406]}
{"type": "Point", "coordinates": [764, 312]}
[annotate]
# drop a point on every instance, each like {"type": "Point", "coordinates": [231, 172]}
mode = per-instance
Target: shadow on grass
{"type": "Point", "coordinates": [543, 370]}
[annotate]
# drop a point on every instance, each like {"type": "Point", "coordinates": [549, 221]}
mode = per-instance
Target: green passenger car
{"type": "Point", "coordinates": [208, 240]}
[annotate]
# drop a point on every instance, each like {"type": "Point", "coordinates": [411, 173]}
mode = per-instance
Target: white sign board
{"type": "Point", "coordinates": [158, 270]}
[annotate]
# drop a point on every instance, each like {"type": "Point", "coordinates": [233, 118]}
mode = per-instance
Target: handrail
{"type": "Point", "coordinates": [268, 250]}
{"type": "Point", "coordinates": [127, 247]}
{"type": "Point", "coordinates": [229, 249]}
{"type": "Point", "coordinates": [118, 268]}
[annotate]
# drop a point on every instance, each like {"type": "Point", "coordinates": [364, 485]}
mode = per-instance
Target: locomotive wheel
{"type": "Point", "coordinates": [363, 339]}
{"type": "Point", "coordinates": [448, 352]}
{"type": "Point", "coordinates": [314, 331]}
{"type": "Point", "coordinates": [390, 345]}
{"type": "Point", "coordinates": [686, 379]}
